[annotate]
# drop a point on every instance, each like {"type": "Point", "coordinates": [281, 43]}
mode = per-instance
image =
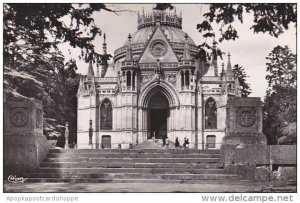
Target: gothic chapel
{"type": "Point", "coordinates": [155, 88]}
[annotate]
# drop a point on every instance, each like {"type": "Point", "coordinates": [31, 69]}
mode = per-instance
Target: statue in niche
{"type": "Point", "coordinates": [158, 72]}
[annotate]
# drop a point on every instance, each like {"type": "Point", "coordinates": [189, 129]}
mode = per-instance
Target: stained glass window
{"type": "Point", "coordinates": [210, 114]}
{"type": "Point", "coordinates": [106, 115]}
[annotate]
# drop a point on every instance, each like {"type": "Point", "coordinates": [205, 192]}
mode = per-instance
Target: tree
{"type": "Point", "coordinates": [33, 65]}
{"type": "Point", "coordinates": [269, 18]}
{"type": "Point", "coordinates": [240, 73]}
{"type": "Point", "coordinates": [280, 105]}
{"type": "Point", "coordinates": [46, 27]}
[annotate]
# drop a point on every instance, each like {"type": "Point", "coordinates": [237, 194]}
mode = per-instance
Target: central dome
{"type": "Point", "coordinates": [171, 26]}
{"type": "Point", "coordinates": [174, 34]}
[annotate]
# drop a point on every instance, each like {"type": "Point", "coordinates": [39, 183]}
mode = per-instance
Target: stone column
{"type": "Point", "coordinates": [135, 81]}
{"type": "Point", "coordinates": [131, 73]}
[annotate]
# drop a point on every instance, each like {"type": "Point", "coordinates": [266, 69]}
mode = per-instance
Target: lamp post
{"type": "Point", "coordinates": [67, 136]}
{"type": "Point", "coordinates": [91, 133]}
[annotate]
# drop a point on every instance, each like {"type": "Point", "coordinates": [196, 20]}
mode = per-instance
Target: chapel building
{"type": "Point", "coordinates": [155, 88]}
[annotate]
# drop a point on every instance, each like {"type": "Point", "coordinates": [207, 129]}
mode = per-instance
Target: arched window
{"type": "Point", "coordinates": [106, 115]}
{"type": "Point", "coordinates": [133, 80]}
{"type": "Point", "coordinates": [182, 79]}
{"type": "Point", "coordinates": [128, 78]}
{"type": "Point", "coordinates": [187, 78]}
{"type": "Point", "coordinates": [210, 114]}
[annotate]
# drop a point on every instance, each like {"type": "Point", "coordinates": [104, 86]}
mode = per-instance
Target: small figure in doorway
{"type": "Point", "coordinates": [164, 140]}
{"type": "Point", "coordinates": [167, 142]}
{"type": "Point", "coordinates": [187, 143]}
{"type": "Point", "coordinates": [177, 142]}
{"type": "Point", "coordinates": [184, 142]}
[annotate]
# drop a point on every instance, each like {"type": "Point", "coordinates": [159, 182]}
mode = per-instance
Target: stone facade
{"type": "Point", "coordinates": [155, 87]}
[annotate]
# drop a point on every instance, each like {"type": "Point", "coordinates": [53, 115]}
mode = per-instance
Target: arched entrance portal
{"type": "Point", "coordinates": [158, 114]}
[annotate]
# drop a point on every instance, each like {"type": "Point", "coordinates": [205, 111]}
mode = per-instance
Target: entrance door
{"type": "Point", "coordinates": [158, 123]}
{"type": "Point", "coordinates": [158, 116]}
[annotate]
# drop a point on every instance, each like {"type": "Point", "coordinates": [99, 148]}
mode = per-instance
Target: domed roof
{"type": "Point", "coordinates": [174, 34]}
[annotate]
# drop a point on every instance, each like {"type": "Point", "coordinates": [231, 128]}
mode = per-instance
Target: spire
{"type": "Point", "coordinates": [210, 71]}
{"type": "Point", "coordinates": [215, 58]}
{"type": "Point", "coordinates": [81, 85]}
{"type": "Point", "coordinates": [90, 69]}
{"type": "Point", "coordinates": [129, 50]}
{"type": "Point", "coordinates": [223, 73]}
{"type": "Point", "coordinates": [186, 53]}
{"type": "Point", "coordinates": [98, 72]}
{"type": "Point", "coordinates": [104, 44]}
{"type": "Point", "coordinates": [229, 69]}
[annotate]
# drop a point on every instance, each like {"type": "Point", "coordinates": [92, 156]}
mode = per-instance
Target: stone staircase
{"type": "Point", "coordinates": [131, 166]}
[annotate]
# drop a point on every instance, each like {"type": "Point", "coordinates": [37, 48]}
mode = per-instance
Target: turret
{"type": "Point", "coordinates": [129, 56]}
{"type": "Point", "coordinates": [128, 68]}
{"type": "Point", "coordinates": [187, 68]}
{"type": "Point", "coordinates": [186, 53]}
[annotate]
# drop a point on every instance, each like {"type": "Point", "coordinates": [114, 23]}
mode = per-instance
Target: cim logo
{"type": "Point", "coordinates": [15, 179]}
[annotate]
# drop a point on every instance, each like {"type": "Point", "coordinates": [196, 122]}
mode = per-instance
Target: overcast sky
{"type": "Point", "coordinates": [249, 50]}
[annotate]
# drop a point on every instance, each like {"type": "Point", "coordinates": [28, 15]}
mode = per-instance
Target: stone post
{"type": "Point", "coordinates": [91, 133]}
{"type": "Point", "coordinates": [244, 145]}
{"type": "Point", "coordinates": [67, 136]}
{"type": "Point", "coordinates": [24, 145]}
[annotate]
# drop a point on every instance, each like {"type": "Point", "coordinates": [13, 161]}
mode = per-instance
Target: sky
{"type": "Point", "coordinates": [249, 50]}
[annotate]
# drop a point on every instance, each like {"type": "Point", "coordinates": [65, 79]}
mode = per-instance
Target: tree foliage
{"type": "Point", "coordinates": [47, 26]}
{"type": "Point", "coordinates": [33, 65]}
{"type": "Point", "coordinates": [271, 18]}
{"type": "Point", "coordinates": [240, 73]}
{"type": "Point", "coordinates": [281, 67]}
{"type": "Point", "coordinates": [280, 105]}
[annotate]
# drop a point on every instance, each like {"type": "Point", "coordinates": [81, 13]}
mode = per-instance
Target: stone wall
{"type": "Point", "coordinates": [244, 150]}
{"type": "Point", "coordinates": [261, 162]}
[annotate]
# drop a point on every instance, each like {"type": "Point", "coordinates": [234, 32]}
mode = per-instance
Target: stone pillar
{"type": "Point", "coordinates": [25, 146]}
{"type": "Point", "coordinates": [135, 81]}
{"type": "Point", "coordinates": [131, 74]}
{"type": "Point", "coordinates": [244, 122]}
{"type": "Point", "coordinates": [244, 143]}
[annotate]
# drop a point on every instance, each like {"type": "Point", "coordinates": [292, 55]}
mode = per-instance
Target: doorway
{"type": "Point", "coordinates": [158, 116]}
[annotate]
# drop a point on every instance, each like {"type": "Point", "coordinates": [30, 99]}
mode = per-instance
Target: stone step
{"type": "Point", "coordinates": [134, 160]}
{"type": "Point", "coordinates": [47, 171]}
{"type": "Point", "coordinates": [133, 177]}
{"type": "Point", "coordinates": [97, 175]}
{"type": "Point", "coordinates": [199, 176]}
{"type": "Point", "coordinates": [130, 155]}
{"type": "Point", "coordinates": [129, 165]}
{"type": "Point", "coordinates": [160, 151]}
{"type": "Point", "coordinates": [98, 180]}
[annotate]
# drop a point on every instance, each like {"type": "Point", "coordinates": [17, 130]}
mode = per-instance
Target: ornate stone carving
{"type": "Point", "coordinates": [146, 78]}
{"type": "Point", "coordinates": [158, 48]}
{"type": "Point", "coordinates": [19, 117]}
{"type": "Point", "coordinates": [246, 116]}
{"type": "Point", "coordinates": [172, 79]}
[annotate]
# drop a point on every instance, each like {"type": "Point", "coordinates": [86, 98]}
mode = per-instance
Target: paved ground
{"type": "Point", "coordinates": [148, 187]}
